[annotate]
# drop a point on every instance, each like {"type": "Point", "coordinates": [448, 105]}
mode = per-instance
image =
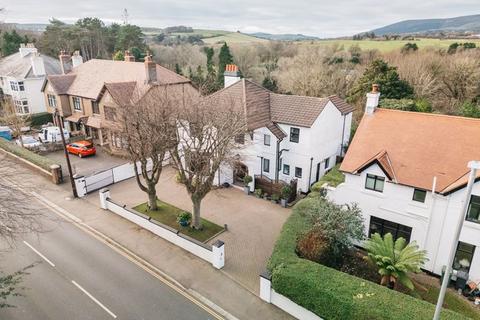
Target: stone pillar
{"type": "Point", "coordinates": [266, 287]}
{"type": "Point", "coordinates": [104, 194]}
{"type": "Point", "coordinates": [56, 170]}
{"type": "Point", "coordinates": [218, 252]}
{"type": "Point", "coordinates": [100, 136]}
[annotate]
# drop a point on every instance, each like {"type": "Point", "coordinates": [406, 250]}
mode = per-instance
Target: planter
{"type": "Point", "coordinates": [184, 223]}
{"type": "Point", "coordinates": [283, 203]}
{"type": "Point", "coordinates": [246, 190]}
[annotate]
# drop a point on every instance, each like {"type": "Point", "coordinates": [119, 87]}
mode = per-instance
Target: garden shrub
{"type": "Point", "coordinates": [28, 155]}
{"type": "Point", "coordinates": [332, 294]}
{"type": "Point", "coordinates": [41, 118]}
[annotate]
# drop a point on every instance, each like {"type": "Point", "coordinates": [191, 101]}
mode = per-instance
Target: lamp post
{"type": "Point", "coordinates": [474, 166]}
{"type": "Point", "coordinates": [67, 157]}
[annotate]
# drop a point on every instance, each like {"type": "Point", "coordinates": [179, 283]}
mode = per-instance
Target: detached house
{"type": "Point", "coordinates": [87, 94]}
{"type": "Point", "coordinates": [408, 172]}
{"type": "Point", "coordinates": [22, 75]}
{"type": "Point", "coordinates": [290, 137]}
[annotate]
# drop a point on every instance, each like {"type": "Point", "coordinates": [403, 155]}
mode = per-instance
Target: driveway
{"type": "Point", "coordinates": [253, 224]}
{"type": "Point", "coordinates": [88, 165]}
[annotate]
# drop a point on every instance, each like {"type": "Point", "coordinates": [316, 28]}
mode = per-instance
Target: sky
{"type": "Point", "coordinates": [323, 18]}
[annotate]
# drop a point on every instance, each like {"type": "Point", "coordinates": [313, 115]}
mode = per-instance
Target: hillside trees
{"type": "Point", "coordinates": [11, 42]}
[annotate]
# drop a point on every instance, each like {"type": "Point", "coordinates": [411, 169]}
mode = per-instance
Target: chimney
{"type": "Point", "coordinates": [372, 100]}
{"type": "Point", "coordinates": [38, 66]}
{"type": "Point", "coordinates": [77, 59]}
{"type": "Point", "coordinates": [65, 62]}
{"type": "Point", "coordinates": [231, 75]}
{"type": "Point", "coordinates": [26, 48]}
{"type": "Point", "coordinates": [128, 56]}
{"type": "Point", "coordinates": [150, 69]}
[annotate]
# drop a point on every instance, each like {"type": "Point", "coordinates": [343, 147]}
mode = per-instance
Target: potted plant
{"type": "Point", "coordinates": [246, 180]}
{"type": "Point", "coordinates": [258, 193]}
{"type": "Point", "coordinates": [286, 192]}
{"type": "Point", "coordinates": [184, 218]}
{"type": "Point", "coordinates": [275, 198]}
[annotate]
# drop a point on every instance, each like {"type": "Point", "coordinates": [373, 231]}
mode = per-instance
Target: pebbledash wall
{"type": "Point", "coordinates": [431, 221]}
{"type": "Point", "coordinates": [215, 254]}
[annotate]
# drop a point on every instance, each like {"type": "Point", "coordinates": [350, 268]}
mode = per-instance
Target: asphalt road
{"type": "Point", "coordinates": [80, 277]}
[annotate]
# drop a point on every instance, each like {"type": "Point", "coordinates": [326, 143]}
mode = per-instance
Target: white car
{"type": "Point", "coordinates": [29, 142]}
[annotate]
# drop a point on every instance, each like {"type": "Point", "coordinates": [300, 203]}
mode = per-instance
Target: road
{"type": "Point", "coordinates": [80, 277]}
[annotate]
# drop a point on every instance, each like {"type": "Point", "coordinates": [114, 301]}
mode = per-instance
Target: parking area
{"type": "Point", "coordinates": [87, 165]}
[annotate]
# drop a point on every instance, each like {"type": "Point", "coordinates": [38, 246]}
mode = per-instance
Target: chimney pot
{"type": "Point", "coordinates": [128, 56]}
{"type": "Point", "coordinates": [372, 100]}
{"type": "Point", "coordinates": [231, 75]}
{"type": "Point", "coordinates": [150, 69]}
{"type": "Point", "coordinates": [65, 62]}
{"type": "Point", "coordinates": [375, 88]}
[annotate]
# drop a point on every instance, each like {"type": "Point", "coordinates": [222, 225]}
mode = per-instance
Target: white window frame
{"type": "Point", "coordinates": [267, 139]}
{"type": "Point", "coordinates": [14, 85]}
{"type": "Point", "coordinates": [79, 100]}
{"type": "Point", "coordinates": [21, 86]}
{"type": "Point", "coordinates": [22, 107]}
{"type": "Point", "coordinates": [52, 100]}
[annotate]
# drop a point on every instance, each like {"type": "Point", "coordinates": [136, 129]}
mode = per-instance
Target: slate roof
{"type": "Point", "coordinates": [20, 67]}
{"type": "Point", "coordinates": [416, 147]}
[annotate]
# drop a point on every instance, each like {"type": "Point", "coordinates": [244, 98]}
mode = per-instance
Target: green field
{"type": "Point", "coordinates": [218, 36]}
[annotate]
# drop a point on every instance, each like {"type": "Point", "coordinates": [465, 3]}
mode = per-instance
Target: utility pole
{"type": "Point", "coordinates": [474, 166]}
{"type": "Point", "coordinates": [67, 156]}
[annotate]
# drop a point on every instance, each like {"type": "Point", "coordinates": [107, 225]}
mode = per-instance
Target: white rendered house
{"type": "Point", "coordinates": [22, 75]}
{"type": "Point", "coordinates": [290, 137]}
{"type": "Point", "coordinates": [408, 172]}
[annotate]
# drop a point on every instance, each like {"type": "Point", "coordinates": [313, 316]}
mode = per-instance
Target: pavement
{"type": "Point", "coordinates": [76, 276]}
{"type": "Point", "coordinates": [87, 165]}
{"type": "Point", "coordinates": [223, 290]}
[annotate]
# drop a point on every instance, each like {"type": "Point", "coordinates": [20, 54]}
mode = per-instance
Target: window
{"type": "Point", "coordinates": [463, 256]}
{"type": "Point", "coordinates": [286, 169]}
{"type": "Point", "coordinates": [374, 183]}
{"type": "Point", "coordinates": [109, 113]}
{"type": "Point", "coordinates": [298, 172]}
{"type": "Point", "coordinates": [52, 100]}
{"type": "Point", "coordinates": [77, 104]}
{"type": "Point", "coordinates": [240, 138]}
{"type": "Point", "coordinates": [419, 195]}
{"type": "Point", "coordinates": [383, 227]}
{"type": "Point", "coordinates": [95, 107]}
{"type": "Point", "coordinates": [266, 139]}
{"type": "Point", "coordinates": [327, 163]}
{"type": "Point", "coordinates": [21, 106]}
{"type": "Point", "coordinates": [473, 213]}
{"type": "Point", "coordinates": [14, 86]}
{"type": "Point", "coordinates": [266, 165]}
{"type": "Point", "coordinates": [294, 135]}
{"type": "Point", "coordinates": [21, 86]}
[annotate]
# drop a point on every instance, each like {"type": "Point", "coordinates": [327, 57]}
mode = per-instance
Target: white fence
{"type": "Point", "coordinates": [269, 295]}
{"type": "Point", "coordinates": [214, 254]}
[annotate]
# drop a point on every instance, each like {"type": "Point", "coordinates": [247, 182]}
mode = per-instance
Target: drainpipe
{"type": "Point", "coordinates": [432, 208]}
{"type": "Point", "coordinates": [277, 169]}
{"type": "Point", "coordinates": [343, 135]}
{"type": "Point", "coordinates": [261, 167]}
{"type": "Point", "coordinates": [310, 173]}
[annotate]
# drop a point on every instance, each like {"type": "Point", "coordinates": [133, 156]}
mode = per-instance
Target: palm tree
{"type": "Point", "coordinates": [395, 259]}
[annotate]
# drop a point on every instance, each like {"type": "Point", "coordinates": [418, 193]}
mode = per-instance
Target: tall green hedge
{"type": "Point", "coordinates": [38, 119]}
{"type": "Point", "coordinates": [332, 294]}
{"type": "Point", "coordinates": [28, 155]}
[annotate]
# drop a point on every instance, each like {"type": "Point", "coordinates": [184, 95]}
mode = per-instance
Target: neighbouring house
{"type": "Point", "coordinates": [408, 173]}
{"type": "Point", "coordinates": [87, 94]}
{"type": "Point", "coordinates": [289, 137]}
{"type": "Point", "coordinates": [22, 75]}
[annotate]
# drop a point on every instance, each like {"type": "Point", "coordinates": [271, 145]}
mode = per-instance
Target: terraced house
{"type": "Point", "coordinates": [86, 94]}
{"type": "Point", "coordinates": [408, 173]}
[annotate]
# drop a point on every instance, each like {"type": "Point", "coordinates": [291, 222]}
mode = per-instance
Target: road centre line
{"type": "Point", "coordinates": [94, 299]}
{"type": "Point", "coordinates": [38, 252]}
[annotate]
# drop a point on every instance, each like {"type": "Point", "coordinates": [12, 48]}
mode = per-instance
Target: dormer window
{"type": "Point", "coordinates": [374, 183]}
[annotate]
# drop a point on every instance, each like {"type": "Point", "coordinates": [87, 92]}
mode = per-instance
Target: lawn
{"type": "Point", "coordinates": [334, 177]}
{"type": "Point", "coordinates": [167, 214]}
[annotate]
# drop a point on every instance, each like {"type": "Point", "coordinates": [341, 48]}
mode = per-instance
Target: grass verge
{"type": "Point", "coordinates": [36, 159]}
{"type": "Point", "coordinates": [167, 214]}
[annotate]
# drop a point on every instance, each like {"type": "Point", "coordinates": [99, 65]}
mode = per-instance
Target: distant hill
{"type": "Point", "coordinates": [459, 24]}
{"type": "Point", "coordinates": [282, 37]}
{"type": "Point", "coordinates": [36, 27]}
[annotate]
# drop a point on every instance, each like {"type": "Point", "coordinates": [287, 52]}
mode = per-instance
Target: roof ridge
{"type": "Point", "coordinates": [297, 95]}
{"type": "Point", "coordinates": [440, 115]}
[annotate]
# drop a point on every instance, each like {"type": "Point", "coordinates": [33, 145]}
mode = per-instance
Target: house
{"type": "Point", "coordinates": [290, 137]}
{"type": "Point", "coordinates": [22, 75]}
{"type": "Point", "coordinates": [408, 173]}
{"type": "Point", "coordinates": [87, 94]}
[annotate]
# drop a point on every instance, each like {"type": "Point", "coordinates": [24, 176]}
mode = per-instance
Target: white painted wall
{"type": "Point", "coordinates": [32, 93]}
{"type": "Point", "coordinates": [431, 221]}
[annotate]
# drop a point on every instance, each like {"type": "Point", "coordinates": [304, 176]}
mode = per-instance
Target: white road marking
{"type": "Point", "coordinates": [94, 299]}
{"type": "Point", "coordinates": [38, 252]}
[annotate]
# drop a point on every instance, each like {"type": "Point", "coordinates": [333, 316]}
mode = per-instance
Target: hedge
{"type": "Point", "coordinates": [332, 294]}
{"type": "Point", "coordinates": [38, 119]}
{"type": "Point", "coordinates": [28, 155]}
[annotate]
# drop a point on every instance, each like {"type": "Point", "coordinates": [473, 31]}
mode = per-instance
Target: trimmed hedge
{"type": "Point", "coordinates": [38, 119]}
{"type": "Point", "coordinates": [332, 294]}
{"type": "Point", "coordinates": [28, 155]}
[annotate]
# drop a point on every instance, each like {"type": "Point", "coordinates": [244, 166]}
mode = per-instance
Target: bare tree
{"type": "Point", "coordinates": [9, 116]}
{"type": "Point", "coordinates": [206, 143]}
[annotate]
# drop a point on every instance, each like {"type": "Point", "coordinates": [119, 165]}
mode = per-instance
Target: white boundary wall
{"type": "Point", "coordinates": [214, 254]}
{"type": "Point", "coordinates": [269, 295]}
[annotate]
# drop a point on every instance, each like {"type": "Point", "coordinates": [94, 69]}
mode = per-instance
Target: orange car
{"type": "Point", "coordinates": [81, 148]}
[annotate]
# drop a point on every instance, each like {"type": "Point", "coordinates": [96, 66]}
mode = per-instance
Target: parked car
{"type": "Point", "coordinates": [52, 134]}
{"type": "Point", "coordinates": [81, 148]}
{"type": "Point", "coordinates": [29, 142]}
{"type": "Point", "coordinates": [6, 133]}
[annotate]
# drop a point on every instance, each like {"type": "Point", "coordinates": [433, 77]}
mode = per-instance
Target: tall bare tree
{"type": "Point", "coordinates": [206, 143]}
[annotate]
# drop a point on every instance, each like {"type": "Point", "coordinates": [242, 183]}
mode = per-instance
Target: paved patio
{"type": "Point", "coordinates": [253, 224]}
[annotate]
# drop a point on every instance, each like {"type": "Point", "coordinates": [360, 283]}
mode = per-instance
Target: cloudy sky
{"type": "Point", "coordinates": [324, 18]}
